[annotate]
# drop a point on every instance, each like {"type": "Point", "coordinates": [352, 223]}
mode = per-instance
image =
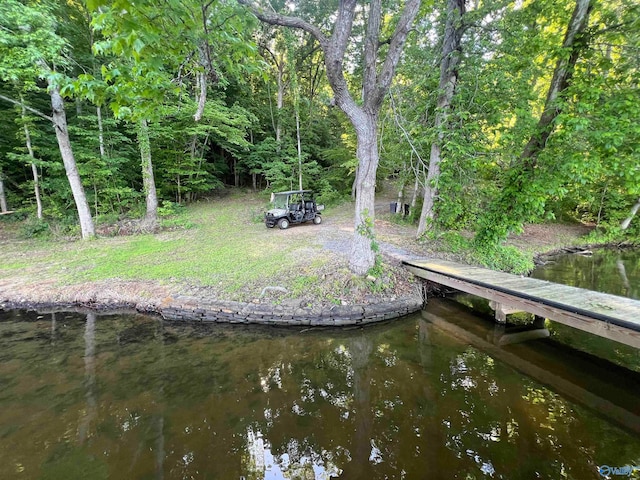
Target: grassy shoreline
{"type": "Point", "coordinates": [220, 250]}
{"type": "Point", "coordinates": [226, 254]}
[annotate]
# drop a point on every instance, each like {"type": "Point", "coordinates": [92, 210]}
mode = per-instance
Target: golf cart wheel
{"type": "Point", "coordinates": [283, 223]}
{"type": "Point", "coordinates": [317, 219]}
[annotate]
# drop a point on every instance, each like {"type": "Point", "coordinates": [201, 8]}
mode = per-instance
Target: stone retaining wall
{"type": "Point", "coordinates": [191, 309]}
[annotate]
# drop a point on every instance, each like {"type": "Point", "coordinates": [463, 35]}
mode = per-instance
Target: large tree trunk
{"type": "Point", "coordinates": [62, 134]}
{"type": "Point", "coordinates": [627, 221]}
{"type": "Point", "coordinates": [34, 169]}
{"type": "Point", "coordinates": [148, 181]}
{"type": "Point", "coordinates": [451, 46]}
{"type": "Point", "coordinates": [362, 251]}
{"type": "Point", "coordinates": [377, 76]}
{"type": "Point", "coordinates": [364, 119]}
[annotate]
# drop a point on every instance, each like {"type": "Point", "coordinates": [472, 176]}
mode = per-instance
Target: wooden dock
{"type": "Point", "coordinates": [608, 316]}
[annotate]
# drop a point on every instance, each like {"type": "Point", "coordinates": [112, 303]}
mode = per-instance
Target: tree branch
{"type": "Point", "coordinates": [342, 30]}
{"type": "Point", "coordinates": [274, 18]}
{"type": "Point", "coordinates": [370, 74]}
{"type": "Point", "coordinates": [333, 48]}
{"type": "Point", "coordinates": [398, 39]}
{"type": "Point", "coordinates": [26, 107]}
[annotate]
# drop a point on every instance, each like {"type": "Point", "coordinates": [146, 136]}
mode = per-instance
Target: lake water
{"type": "Point", "coordinates": [607, 270]}
{"type": "Point", "coordinates": [133, 397]}
{"type": "Point", "coordinates": [611, 271]}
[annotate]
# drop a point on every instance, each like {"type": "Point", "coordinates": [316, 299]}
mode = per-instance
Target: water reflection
{"type": "Point", "coordinates": [90, 411]}
{"type": "Point", "coordinates": [607, 270]}
{"type": "Point", "coordinates": [133, 397]}
{"type": "Point", "coordinates": [260, 463]}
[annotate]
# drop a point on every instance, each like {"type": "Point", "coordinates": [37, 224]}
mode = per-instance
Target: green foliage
{"type": "Point", "coordinates": [34, 228]}
{"type": "Point", "coordinates": [105, 176]}
{"type": "Point", "coordinates": [455, 242]}
{"type": "Point", "coordinates": [504, 258]}
{"type": "Point", "coordinates": [170, 208]}
{"type": "Point", "coordinates": [365, 228]}
{"type": "Point", "coordinates": [327, 194]}
{"type": "Point", "coordinates": [497, 257]}
{"type": "Point", "coordinates": [148, 65]}
{"type": "Point", "coordinates": [377, 270]}
{"type": "Point", "coordinates": [612, 233]}
{"type": "Point", "coordinates": [28, 43]}
{"type": "Point", "coordinates": [174, 216]}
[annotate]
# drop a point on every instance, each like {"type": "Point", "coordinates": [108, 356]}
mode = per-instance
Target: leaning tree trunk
{"type": "Point", "coordinates": [572, 46]}
{"type": "Point", "coordinates": [148, 180]}
{"type": "Point", "coordinates": [34, 169]}
{"type": "Point", "coordinates": [60, 125]}
{"type": "Point", "coordinates": [627, 221]}
{"type": "Point", "coordinates": [522, 172]}
{"type": "Point", "coordinates": [451, 46]}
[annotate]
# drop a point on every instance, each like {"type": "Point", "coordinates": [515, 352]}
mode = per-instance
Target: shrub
{"type": "Point", "coordinates": [35, 228]}
{"type": "Point", "coordinates": [170, 208]}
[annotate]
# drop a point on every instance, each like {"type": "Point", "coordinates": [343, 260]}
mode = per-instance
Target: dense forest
{"type": "Point", "coordinates": [487, 114]}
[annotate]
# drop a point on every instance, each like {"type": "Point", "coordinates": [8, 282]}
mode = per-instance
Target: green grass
{"type": "Point", "coordinates": [215, 249]}
{"type": "Point", "coordinates": [223, 246]}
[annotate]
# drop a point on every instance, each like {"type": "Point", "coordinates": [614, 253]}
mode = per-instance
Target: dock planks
{"type": "Point", "coordinates": [609, 316]}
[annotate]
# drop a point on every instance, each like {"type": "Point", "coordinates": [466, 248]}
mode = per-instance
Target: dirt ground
{"type": "Point", "coordinates": [398, 240]}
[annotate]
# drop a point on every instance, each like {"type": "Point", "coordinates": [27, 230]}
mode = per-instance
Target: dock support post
{"type": "Point", "coordinates": [538, 321]}
{"type": "Point", "coordinates": [500, 311]}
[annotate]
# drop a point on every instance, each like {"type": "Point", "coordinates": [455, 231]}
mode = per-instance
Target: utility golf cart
{"type": "Point", "coordinates": [295, 206]}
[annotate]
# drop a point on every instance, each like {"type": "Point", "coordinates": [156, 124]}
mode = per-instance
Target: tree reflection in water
{"type": "Point", "coordinates": [147, 399]}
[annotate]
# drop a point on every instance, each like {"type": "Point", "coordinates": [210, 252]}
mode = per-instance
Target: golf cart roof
{"type": "Point", "coordinates": [290, 192]}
